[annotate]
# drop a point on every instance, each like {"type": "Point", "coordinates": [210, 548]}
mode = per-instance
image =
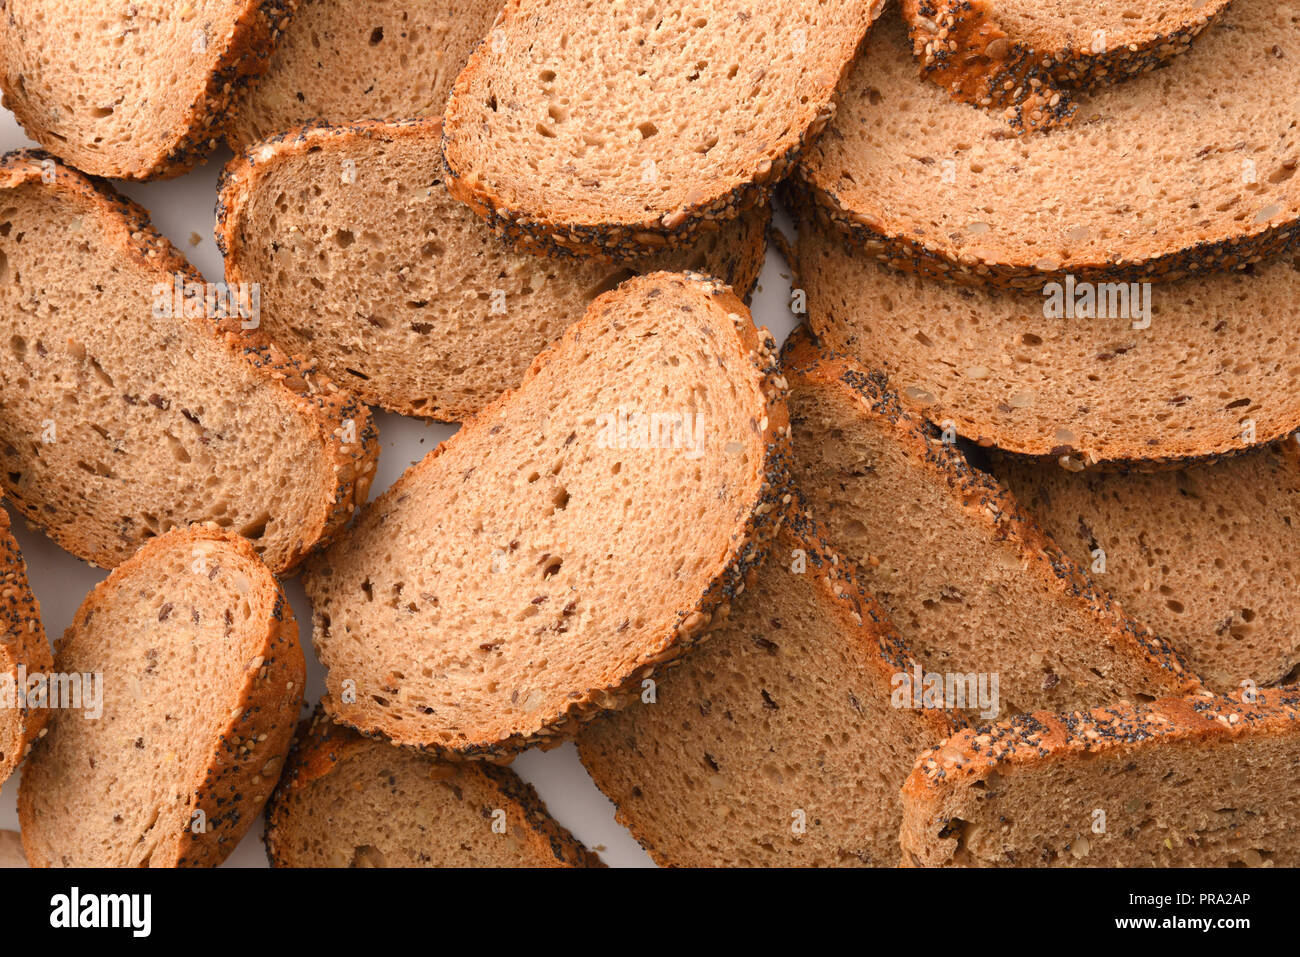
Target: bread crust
{"type": "Point", "coordinates": [732, 574]}
{"type": "Point", "coordinates": [535, 231]}
{"type": "Point", "coordinates": [321, 746]}
{"type": "Point", "coordinates": [251, 743]}
{"type": "Point", "coordinates": [346, 467]}
{"type": "Point", "coordinates": [942, 777]}
{"type": "Point", "coordinates": [22, 642]}
{"type": "Point", "coordinates": [249, 43]}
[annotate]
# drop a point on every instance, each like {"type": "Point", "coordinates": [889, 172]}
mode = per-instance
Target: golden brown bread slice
{"type": "Point", "coordinates": [576, 535]}
{"type": "Point", "coordinates": [135, 90]}
{"type": "Point", "coordinates": [783, 740]}
{"type": "Point", "coordinates": [349, 801]}
{"type": "Point", "coordinates": [1203, 781]}
{"type": "Point", "coordinates": [194, 652]}
{"type": "Point", "coordinates": [368, 265]}
{"type": "Point", "coordinates": [24, 653]}
{"type": "Point", "coordinates": [971, 582]}
{"type": "Point", "coordinates": [129, 406]}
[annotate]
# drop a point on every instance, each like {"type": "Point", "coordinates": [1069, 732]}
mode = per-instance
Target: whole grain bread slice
{"type": "Point", "coordinates": [621, 129]}
{"type": "Point", "coordinates": [575, 536]}
{"type": "Point", "coordinates": [350, 801]}
{"type": "Point", "coordinates": [1213, 372]}
{"type": "Point", "coordinates": [368, 265]}
{"type": "Point", "coordinates": [343, 61]}
{"type": "Point", "coordinates": [1207, 556]}
{"type": "Point", "coordinates": [134, 90]}
{"type": "Point", "coordinates": [24, 652]}
{"type": "Point", "coordinates": [1202, 781]}
{"type": "Point", "coordinates": [124, 411]}
{"type": "Point", "coordinates": [972, 583]}
{"type": "Point", "coordinates": [194, 650]}
{"type": "Point", "coordinates": [782, 741]}
{"type": "Point", "coordinates": [1023, 57]}
{"type": "Point", "coordinates": [1183, 170]}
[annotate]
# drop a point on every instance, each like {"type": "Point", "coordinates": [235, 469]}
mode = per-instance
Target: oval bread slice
{"type": "Point", "coordinates": [194, 651]}
{"type": "Point", "coordinates": [24, 654]}
{"type": "Point", "coordinates": [575, 536]}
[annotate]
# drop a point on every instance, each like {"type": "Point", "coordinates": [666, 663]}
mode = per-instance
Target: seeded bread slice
{"type": "Point", "coordinates": [781, 741]}
{"type": "Point", "coordinates": [1212, 375]}
{"type": "Point", "coordinates": [349, 801]}
{"type": "Point", "coordinates": [342, 61]}
{"type": "Point", "coordinates": [118, 421]}
{"type": "Point", "coordinates": [621, 129]}
{"type": "Point", "coordinates": [22, 646]}
{"type": "Point", "coordinates": [1207, 556]}
{"type": "Point", "coordinates": [538, 566]}
{"type": "Point", "coordinates": [970, 580]}
{"type": "Point", "coordinates": [134, 90]}
{"type": "Point", "coordinates": [1204, 781]}
{"type": "Point", "coordinates": [201, 677]}
{"type": "Point", "coordinates": [399, 290]}
{"type": "Point", "coordinates": [1023, 57]}
{"type": "Point", "coordinates": [1183, 170]}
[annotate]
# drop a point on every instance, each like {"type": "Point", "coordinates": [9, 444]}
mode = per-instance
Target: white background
{"type": "Point", "coordinates": [183, 209]}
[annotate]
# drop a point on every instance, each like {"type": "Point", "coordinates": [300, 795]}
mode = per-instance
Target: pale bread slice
{"type": "Point", "coordinates": [24, 654]}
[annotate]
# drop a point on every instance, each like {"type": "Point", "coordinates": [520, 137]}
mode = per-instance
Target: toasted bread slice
{"type": "Point", "coordinates": [646, 125]}
{"type": "Point", "coordinates": [576, 535]}
{"type": "Point", "coordinates": [1184, 170]}
{"type": "Point", "coordinates": [24, 653]}
{"type": "Point", "coordinates": [781, 741]}
{"type": "Point", "coordinates": [1145, 378]}
{"type": "Point", "coordinates": [343, 61]}
{"type": "Point", "coordinates": [1023, 57]}
{"type": "Point", "coordinates": [1208, 557]}
{"type": "Point", "coordinates": [349, 801]}
{"type": "Point", "coordinates": [124, 411]}
{"type": "Point", "coordinates": [134, 90]}
{"type": "Point", "coordinates": [1204, 781]}
{"type": "Point", "coordinates": [194, 653]}
{"type": "Point", "coordinates": [970, 580]}
{"type": "Point", "coordinates": [400, 291]}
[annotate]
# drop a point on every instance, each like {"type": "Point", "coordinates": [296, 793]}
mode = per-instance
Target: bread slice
{"type": "Point", "coordinates": [24, 653]}
{"type": "Point", "coordinates": [1208, 557]}
{"type": "Point", "coordinates": [134, 90]}
{"type": "Point", "coordinates": [349, 801]}
{"type": "Point", "coordinates": [11, 850]}
{"type": "Point", "coordinates": [122, 417]}
{"type": "Point", "coordinates": [195, 652]}
{"type": "Point", "coordinates": [973, 584]}
{"type": "Point", "coordinates": [576, 535]}
{"type": "Point", "coordinates": [780, 741]}
{"type": "Point", "coordinates": [648, 124]}
{"type": "Point", "coordinates": [1206, 378]}
{"type": "Point", "coordinates": [1024, 57]}
{"type": "Point", "coordinates": [1183, 170]}
{"type": "Point", "coordinates": [1205, 781]}
{"type": "Point", "coordinates": [399, 290]}
{"type": "Point", "coordinates": [342, 61]}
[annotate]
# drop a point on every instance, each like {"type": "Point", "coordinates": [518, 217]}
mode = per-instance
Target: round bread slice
{"type": "Point", "coordinates": [342, 61]}
{"type": "Point", "coordinates": [189, 653]}
{"type": "Point", "coordinates": [620, 129]}
{"type": "Point", "coordinates": [572, 538]}
{"type": "Point", "coordinates": [134, 90]}
{"type": "Point", "coordinates": [1209, 370]}
{"type": "Point", "coordinates": [368, 265]}
{"type": "Point", "coordinates": [1183, 170]}
{"type": "Point", "coordinates": [132, 398]}
{"type": "Point", "coordinates": [784, 740]}
{"type": "Point", "coordinates": [1022, 57]}
{"type": "Point", "coordinates": [350, 801]}
{"type": "Point", "coordinates": [24, 654]}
